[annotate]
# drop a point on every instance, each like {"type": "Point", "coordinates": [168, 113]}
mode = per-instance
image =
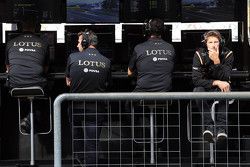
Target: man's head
{"type": "Point", "coordinates": [29, 23]}
{"type": "Point", "coordinates": [212, 39]}
{"type": "Point", "coordinates": [86, 39]}
{"type": "Point", "coordinates": [155, 27]}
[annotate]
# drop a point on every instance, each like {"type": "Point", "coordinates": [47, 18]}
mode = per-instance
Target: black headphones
{"type": "Point", "coordinates": [213, 33]}
{"type": "Point", "coordinates": [147, 26]}
{"type": "Point", "coordinates": [89, 38]}
{"type": "Point", "coordinates": [85, 42]}
{"type": "Point", "coordinates": [154, 26]}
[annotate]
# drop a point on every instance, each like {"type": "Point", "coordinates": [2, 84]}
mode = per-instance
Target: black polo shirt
{"type": "Point", "coordinates": [153, 61]}
{"type": "Point", "coordinates": [89, 71]}
{"type": "Point", "coordinates": [26, 55]}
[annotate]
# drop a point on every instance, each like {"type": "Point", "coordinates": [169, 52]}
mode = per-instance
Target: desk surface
{"type": "Point", "coordinates": [123, 75]}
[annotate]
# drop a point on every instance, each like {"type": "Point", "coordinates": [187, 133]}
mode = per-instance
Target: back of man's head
{"type": "Point", "coordinates": [156, 27]}
{"type": "Point", "coordinates": [29, 23]}
{"type": "Point", "coordinates": [91, 37]}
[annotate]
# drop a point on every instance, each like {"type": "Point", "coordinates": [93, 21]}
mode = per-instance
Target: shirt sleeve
{"type": "Point", "coordinates": [109, 78]}
{"type": "Point", "coordinates": [47, 55]}
{"type": "Point", "coordinates": [67, 71]}
{"type": "Point", "coordinates": [7, 54]}
{"type": "Point", "coordinates": [132, 61]}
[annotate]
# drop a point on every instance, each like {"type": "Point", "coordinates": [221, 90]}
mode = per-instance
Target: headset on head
{"type": "Point", "coordinates": [85, 42]}
{"type": "Point", "coordinates": [213, 33]}
{"type": "Point", "coordinates": [154, 26]}
{"type": "Point", "coordinates": [89, 38]}
{"type": "Point", "coordinates": [148, 26]}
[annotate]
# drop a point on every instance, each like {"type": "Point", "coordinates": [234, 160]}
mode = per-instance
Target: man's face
{"type": "Point", "coordinates": [212, 43]}
{"type": "Point", "coordinates": [79, 45]}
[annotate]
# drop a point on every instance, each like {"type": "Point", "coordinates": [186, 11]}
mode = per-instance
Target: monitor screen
{"type": "Point", "coordinates": [208, 11]}
{"type": "Point", "coordinates": [93, 11]}
{"type": "Point", "coordinates": [46, 11]}
{"type": "Point", "coordinates": [48, 36]}
{"type": "Point", "coordinates": [140, 10]}
{"type": "Point", "coordinates": [191, 41]}
{"type": "Point", "coordinates": [105, 35]}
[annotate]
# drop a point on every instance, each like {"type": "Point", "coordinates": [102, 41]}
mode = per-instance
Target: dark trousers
{"type": "Point", "coordinates": [206, 106]}
{"type": "Point", "coordinates": [88, 124]}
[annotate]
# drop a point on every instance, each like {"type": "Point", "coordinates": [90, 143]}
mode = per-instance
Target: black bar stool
{"type": "Point", "coordinates": [30, 93]}
{"type": "Point", "coordinates": [152, 105]}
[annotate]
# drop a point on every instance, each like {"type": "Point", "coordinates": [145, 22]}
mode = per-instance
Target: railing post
{"type": "Point", "coordinates": [57, 131]}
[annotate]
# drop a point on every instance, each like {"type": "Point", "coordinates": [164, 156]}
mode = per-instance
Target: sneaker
{"type": "Point", "coordinates": [25, 125]}
{"type": "Point", "coordinates": [221, 136]}
{"type": "Point", "coordinates": [208, 136]}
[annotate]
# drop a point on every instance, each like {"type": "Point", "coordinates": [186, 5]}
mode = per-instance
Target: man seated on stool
{"type": "Point", "coordinates": [88, 71]}
{"type": "Point", "coordinates": [212, 67]}
{"type": "Point", "coordinates": [153, 60]}
{"type": "Point", "coordinates": [27, 60]}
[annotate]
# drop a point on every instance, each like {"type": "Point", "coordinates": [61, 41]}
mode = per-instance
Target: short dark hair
{"type": "Point", "coordinates": [211, 33]}
{"type": "Point", "coordinates": [29, 23]}
{"type": "Point", "coordinates": [156, 26]}
{"type": "Point", "coordinates": [90, 36]}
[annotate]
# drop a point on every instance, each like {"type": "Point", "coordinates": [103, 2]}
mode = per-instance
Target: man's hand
{"type": "Point", "coordinates": [130, 73]}
{"type": "Point", "coordinates": [223, 85]}
{"type": "Point", "coordinates": [7, 68]}
{"type": "Point", "coordinates": [214, 55]}
{"type": "Point", "coordinates": [68, 81]}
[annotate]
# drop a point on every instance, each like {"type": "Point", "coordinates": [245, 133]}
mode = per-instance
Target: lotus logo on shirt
{"type": "Point", "coordinates": [158, 52]}
{"type": "Point", "coordinates": [23, 44]}
{"type": "Point", "coordinates": [91, 63]}
{"type": "Point", "coordinates": [27, 44]}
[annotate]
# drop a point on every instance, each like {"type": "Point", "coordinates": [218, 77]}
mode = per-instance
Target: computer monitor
{"type": "Point", "coordinates": [93, 11]}
{"type": "Point", "coordinates": [105, 35]}
{"type": "Point", "coordinates": [46, 11]}
{"type": "Point", "coordinates": [191, 41]}
{"type": "Point", "coordinates": [208, 11]}
{"type": "Point", "coordinates": [140, 10]}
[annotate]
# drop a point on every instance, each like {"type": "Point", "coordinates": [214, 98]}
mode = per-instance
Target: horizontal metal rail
{"type": "Point", "coordinates": [129, 96]}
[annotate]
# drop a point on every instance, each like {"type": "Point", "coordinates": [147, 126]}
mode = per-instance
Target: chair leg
{"type": "Point", "coordinates": [211, 149]}
{"type": "Point", "coordinates": [152, 159]}
{"type": "Point", "coordinates": [32, 152]}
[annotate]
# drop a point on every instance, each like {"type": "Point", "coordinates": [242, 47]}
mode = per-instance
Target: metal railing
{"type": "Point", "coordinates": [128, 96]}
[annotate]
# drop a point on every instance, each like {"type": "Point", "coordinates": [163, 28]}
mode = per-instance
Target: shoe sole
{"type": "Point", "coordinates": [208, 137]}
{"type": "Point", "coordinates": [221, 138]}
